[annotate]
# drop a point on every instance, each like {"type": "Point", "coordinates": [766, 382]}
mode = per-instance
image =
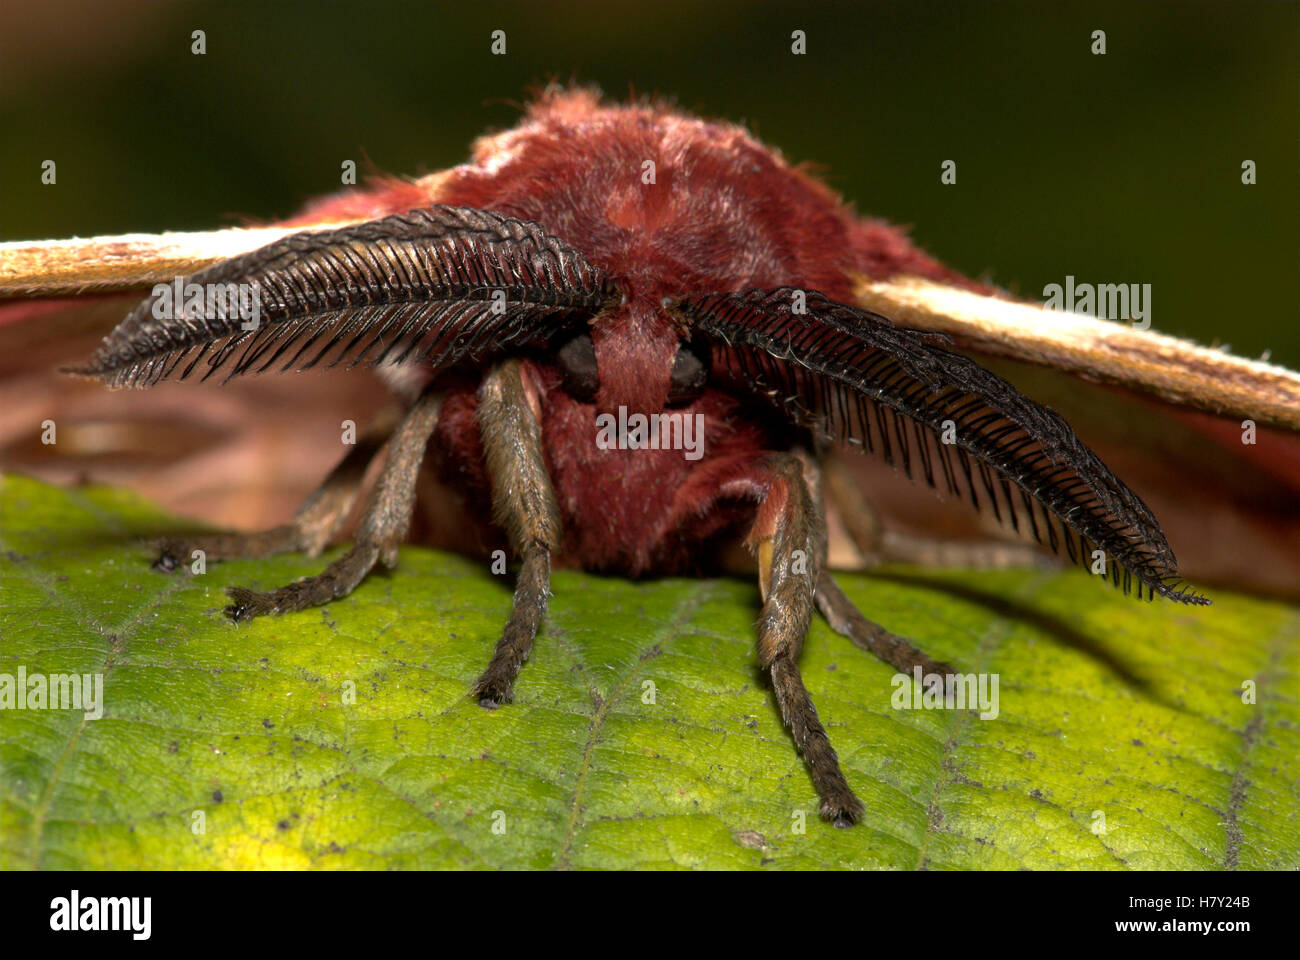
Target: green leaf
{"type": "Point", "coordinates": [1108, 707]}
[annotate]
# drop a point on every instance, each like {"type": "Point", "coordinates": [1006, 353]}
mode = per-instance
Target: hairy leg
{"type": "Point", "coordinates": [316, 522]}
{"type": "Point", "coordinates": [840, 613]}
{"type": "Point", "coordinates": [381, 532]}
{"type": "Point", "coordinates": [844, 618]}
{"type": "Point", "coordinates": [524, 504]}
{"type": "Point", "coordinates": [789, 536]}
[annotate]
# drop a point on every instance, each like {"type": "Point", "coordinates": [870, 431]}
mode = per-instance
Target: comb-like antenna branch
{"type": "Point", "coordinates": [440, 284]}
{"type": "Point", "coordinates": [855, 377]}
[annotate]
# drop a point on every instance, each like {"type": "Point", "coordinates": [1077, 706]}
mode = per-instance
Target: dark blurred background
{"type": "Point", "coordinates": [1117, 168]}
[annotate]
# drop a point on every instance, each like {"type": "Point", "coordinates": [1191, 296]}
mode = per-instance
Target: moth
{"type": "Point", "coordinates": [631, 337]}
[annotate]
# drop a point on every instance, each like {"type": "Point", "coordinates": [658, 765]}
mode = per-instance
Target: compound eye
{"type": "Point", "coordinates": [577, 362]}
{"type": "Point", "coordinates": [690, 373]}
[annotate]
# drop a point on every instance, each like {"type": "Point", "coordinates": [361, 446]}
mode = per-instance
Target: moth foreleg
{"type": "Point", "coordinates": [382, 530]}
{"type": "Point", "coordinates": [316, 522]}
{"type": "Point", "coordinates": [524, 504]}
{"type": "Point", "coordinates": [789, 537]}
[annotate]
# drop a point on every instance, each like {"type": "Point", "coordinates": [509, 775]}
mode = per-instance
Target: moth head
{"type": "Point", "coordinates": [685, 372]}
{"type": "Point", "coordinates": [632, 355]}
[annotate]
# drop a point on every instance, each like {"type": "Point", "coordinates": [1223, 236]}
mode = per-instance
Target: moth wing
{"type": "Point", "coordinates": [1176, 371]}
{"type": "Point", "coordinates": [191, 448]}
{"type": "Point", "coordinates": [1166, 415]}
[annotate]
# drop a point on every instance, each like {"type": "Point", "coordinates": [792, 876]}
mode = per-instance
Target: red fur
{"type": "Point", "coordinates": [383, 197]}
{"type": "Point", "coordinates": [724, 213]}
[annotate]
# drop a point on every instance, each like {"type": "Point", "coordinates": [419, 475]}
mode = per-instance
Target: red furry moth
{"type": "Point", "coordinates": [517, 303]}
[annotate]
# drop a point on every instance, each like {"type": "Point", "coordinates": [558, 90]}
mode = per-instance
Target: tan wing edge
{"type": "Point", "coordinates": [54, 268]}
{"type": "Point", "coordinates": [1175, 370]}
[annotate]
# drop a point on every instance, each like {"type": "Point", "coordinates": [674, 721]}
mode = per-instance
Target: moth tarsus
{"type": "Point", "coordinates": [544, 285]}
